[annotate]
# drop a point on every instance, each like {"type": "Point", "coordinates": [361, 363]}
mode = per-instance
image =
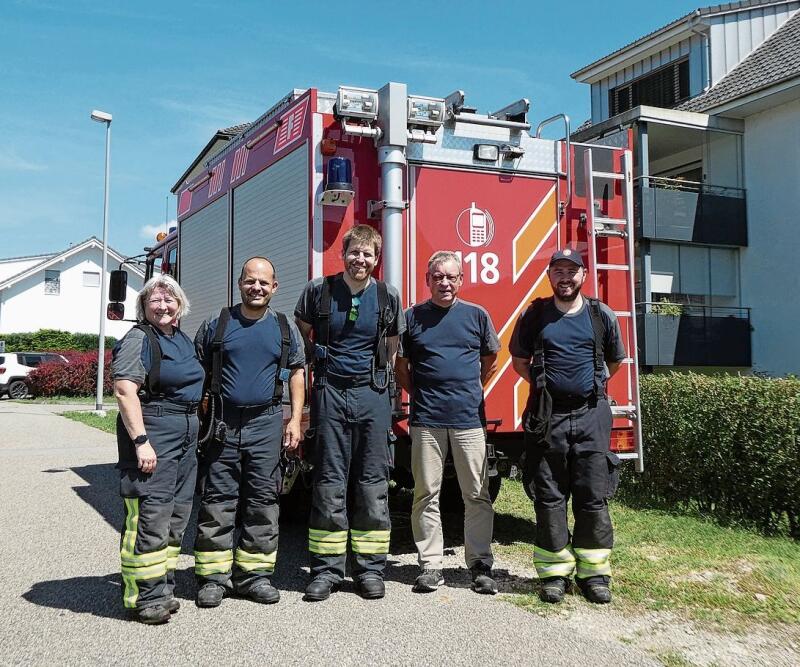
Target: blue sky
{"type": "Point", "coordinates": [172, 73]}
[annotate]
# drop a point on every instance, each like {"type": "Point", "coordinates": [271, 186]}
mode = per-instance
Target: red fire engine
{"type": "Point", "coordinates": [430, 174]}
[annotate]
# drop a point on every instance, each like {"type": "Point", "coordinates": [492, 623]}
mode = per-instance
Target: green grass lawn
{"type": "Point", "coordinates": [678, 563]}
{"type": "Point", "coordinates": [87, 400]}
{"type": "Point", "coordinates": [107, 423]}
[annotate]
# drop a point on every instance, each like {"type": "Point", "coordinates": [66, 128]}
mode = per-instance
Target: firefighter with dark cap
{"type": "Point", "coordinates": [354, 322]}
{"type": "Point", "coordinates": [567, 347]}
{"type": "Point", "coordinates": [249, 352]}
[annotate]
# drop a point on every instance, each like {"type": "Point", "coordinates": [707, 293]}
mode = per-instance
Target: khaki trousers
{"type": "Point", "coordinates": [428, 452]}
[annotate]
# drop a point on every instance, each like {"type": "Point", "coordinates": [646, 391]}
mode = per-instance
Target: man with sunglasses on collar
{"type": "Point", "coordinates": [354, 322]}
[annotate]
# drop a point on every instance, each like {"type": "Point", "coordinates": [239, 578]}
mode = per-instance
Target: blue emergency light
{"type": "Point", "coordinates": [340, 174]}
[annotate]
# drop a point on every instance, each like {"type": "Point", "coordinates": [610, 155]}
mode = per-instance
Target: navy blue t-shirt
{"type": "Point", "coordinates": [351, 343]}
{"type": "Point", "coordinates": [444, 346]}
{"type": "Point", "coordinates": [568, 342]}
{"type": "Point", "coordinates": [251, 354]}
{"type": "Point", "coordinates": [181, 374]}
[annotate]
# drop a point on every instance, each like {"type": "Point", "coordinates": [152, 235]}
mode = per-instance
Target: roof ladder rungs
{"type": "Point", "coordinates": [611, 221]}
{"type": "Point", "coordinates": [613, 267]}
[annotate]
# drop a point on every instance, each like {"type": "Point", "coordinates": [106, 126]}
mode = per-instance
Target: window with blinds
{"type": "Point", "coordinates": [665, 88]}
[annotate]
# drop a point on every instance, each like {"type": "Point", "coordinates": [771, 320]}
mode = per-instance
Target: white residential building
{"type": "Point", "coordinates": [62, 291]}
{"type": "Point", "coordinates": [710, 104]}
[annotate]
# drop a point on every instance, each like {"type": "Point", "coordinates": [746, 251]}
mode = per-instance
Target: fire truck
{"type": "Point", "coordinates": [430, 174]}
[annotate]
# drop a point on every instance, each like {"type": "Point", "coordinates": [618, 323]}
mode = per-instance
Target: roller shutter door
{"type": "Point", "coordinates": [270, 218]}
{"type": "Point", "coordinates": [203, 260]}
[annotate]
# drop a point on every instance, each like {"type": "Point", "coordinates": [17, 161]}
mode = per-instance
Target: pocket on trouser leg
{"type": "Point", "coordinates": [613, 474]}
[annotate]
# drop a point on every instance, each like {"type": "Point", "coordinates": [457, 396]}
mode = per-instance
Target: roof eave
{"type": "Point", "coordinates": [670, 34]}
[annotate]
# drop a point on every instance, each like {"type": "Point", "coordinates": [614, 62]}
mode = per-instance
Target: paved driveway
{"type": "Point", "coordinates": [59, 585]}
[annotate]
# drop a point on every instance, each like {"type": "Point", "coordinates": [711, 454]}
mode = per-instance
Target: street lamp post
{"type": "Point", "coordinates": [103, 117]}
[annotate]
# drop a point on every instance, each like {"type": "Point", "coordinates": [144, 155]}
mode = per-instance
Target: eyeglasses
{"type": "Point", "coordinates": [352, 316]}
{"type": "Point", "coordinates": [448, 277]}
{"type": "Point", "coordinates": [166, 302]}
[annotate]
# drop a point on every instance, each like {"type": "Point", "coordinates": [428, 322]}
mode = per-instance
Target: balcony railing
{"type": "Point", "coordinates": [672, 334]}
{"type": "Point", "coordinates": [679, 210]}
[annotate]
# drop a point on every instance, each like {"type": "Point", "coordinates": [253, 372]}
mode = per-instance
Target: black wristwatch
{"type": "Point", "coordinates": [140, 439]}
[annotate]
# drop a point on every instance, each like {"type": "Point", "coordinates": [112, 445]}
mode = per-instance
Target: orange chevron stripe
{"type": "Point", "coordinates": [540, 288]}
{"type": "Point", "coordinates": [534, 232]}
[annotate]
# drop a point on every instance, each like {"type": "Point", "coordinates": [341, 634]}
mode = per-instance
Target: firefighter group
{"type": "Point", "coordinates": [352, 329]}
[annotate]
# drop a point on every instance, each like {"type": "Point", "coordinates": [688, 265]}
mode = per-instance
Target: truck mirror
{"type": "Point", "coordinates": [115, 311]}
{"type": "Point", "coordinates": [118, 286]}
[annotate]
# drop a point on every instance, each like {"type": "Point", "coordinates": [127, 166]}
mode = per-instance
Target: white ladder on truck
{"type": "Point", "coordinates": [599, 226]}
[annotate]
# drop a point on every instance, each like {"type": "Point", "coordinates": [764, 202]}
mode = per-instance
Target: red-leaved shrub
{"type": "Point", "coordinates": [77, 378]}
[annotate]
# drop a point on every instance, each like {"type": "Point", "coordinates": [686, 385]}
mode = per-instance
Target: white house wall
{"type": "Point", "coordinates": [734, 36]}
{"type": "Point", "coordinates": [24, 306]}
{"type": "Point", "coordinates": [11, 267]}
{"type": "Point", "coordinates": [769, 276]}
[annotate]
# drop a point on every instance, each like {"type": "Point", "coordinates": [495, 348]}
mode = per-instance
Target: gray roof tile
{"type": "Point", "coordinates": [776, 60]}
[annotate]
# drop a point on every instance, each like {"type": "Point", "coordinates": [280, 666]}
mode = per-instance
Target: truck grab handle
{"type": "Point", "coordinates": [547, 121]}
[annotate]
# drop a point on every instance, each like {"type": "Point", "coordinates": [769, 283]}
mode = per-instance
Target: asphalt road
{"type": "Point", "coordinates": [60, 588]}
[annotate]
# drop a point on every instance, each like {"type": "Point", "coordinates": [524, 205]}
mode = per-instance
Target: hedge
{"type": "Point", "coordinates": [46, 340]}
{"type": "Point", "coordinates": [726, 446]}
{"type": "Point", "coordinates": [76, 378]}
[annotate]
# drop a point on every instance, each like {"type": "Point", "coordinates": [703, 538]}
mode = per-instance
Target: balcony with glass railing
{"type": "Point", "coordinates": [680, 210]}
{"type": "Point", "coordinates": [673, 334]}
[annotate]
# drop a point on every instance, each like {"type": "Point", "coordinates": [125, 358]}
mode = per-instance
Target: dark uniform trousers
{"type": "Point", "coordinates": [353, 422]}
{"type": "Point", "coordinates": [241, 475]}
{"type": "Point", "coordinates": [577, 463]}
{"type": "Point", "coordinates": [158, 505]}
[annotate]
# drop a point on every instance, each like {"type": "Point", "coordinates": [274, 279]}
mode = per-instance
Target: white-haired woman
{"type": "Point", "coordinates": [158, 383]}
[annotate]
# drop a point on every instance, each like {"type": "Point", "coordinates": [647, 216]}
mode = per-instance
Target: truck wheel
{"type": "Point", "coordinates": [17, 389]}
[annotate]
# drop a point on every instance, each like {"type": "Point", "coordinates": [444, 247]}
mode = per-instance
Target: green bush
{"type": "Point", "coordinates": [53, 339]}
{"type": "Point", "coordinates": [726, 446]}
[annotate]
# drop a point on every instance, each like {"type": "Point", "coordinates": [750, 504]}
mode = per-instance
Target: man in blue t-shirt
{"type": "Point", "coordinates": [243, 470]}
{"type": "Point", "coordinates": [567, 347]}
{"type": "Point", "coordinates": [447, 353]}
{"type": "Point", "coordinates": [354, 321]}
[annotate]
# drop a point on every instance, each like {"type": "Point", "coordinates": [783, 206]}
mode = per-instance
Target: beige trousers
{"type": "Point", "coordinates": [428, 452]}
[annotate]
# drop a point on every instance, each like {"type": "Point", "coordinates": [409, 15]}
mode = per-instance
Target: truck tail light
{"type": "Point", "coordinates": [622, 440]}
{"type": "Point", "coordinates": [2, 369]}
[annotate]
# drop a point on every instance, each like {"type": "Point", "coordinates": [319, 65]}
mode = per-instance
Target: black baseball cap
{"type": "Point", "coordinates": [570, 254]}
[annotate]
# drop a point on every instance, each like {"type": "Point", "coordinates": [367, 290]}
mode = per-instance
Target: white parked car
{"type": "Point", "coordinates": [15, 366]}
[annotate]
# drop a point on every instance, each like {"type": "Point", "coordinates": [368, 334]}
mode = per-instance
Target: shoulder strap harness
{"type": "Point", "coordinates": [322, 323]}
{"type": "Point", "coordinates": [598, 329]}
{"type": "Point", "coordinates": [282, 372]}
{"type": "Point", "coordinates": [152, 386]}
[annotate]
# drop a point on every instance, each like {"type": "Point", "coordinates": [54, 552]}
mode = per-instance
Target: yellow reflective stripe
{"type": "Point", "coordinates": [595, 556]}
{"type": "Point", "coordinates": [544, 556]}
{"type": "Point", "coordinates": [128, 542]}
{"type": "Point", "coordinates": [151, 572]}
{"type": "Point", "coordinates": [173, 553]}
{"type": "Point", "coordinates": [593, 562]}
{"type": "Point", "coordinates": [327, 535]}
{"type": "Point", "coordinates": [145, 559]}
{"type": "Point", "coordinates": [555, 570]}
{"type": "Point", "coordinates": [553, 563]}
{"type": "Point", "coordinates": [370, 541]}
{"type": "Point", "coordinates": [327, 542]}
{"type": "Point", "coordinates": [213, 562]}
{"type": "Point", "coordinates": [255, 562]}
{"type": "Point", "coordinates": [131, 592]}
